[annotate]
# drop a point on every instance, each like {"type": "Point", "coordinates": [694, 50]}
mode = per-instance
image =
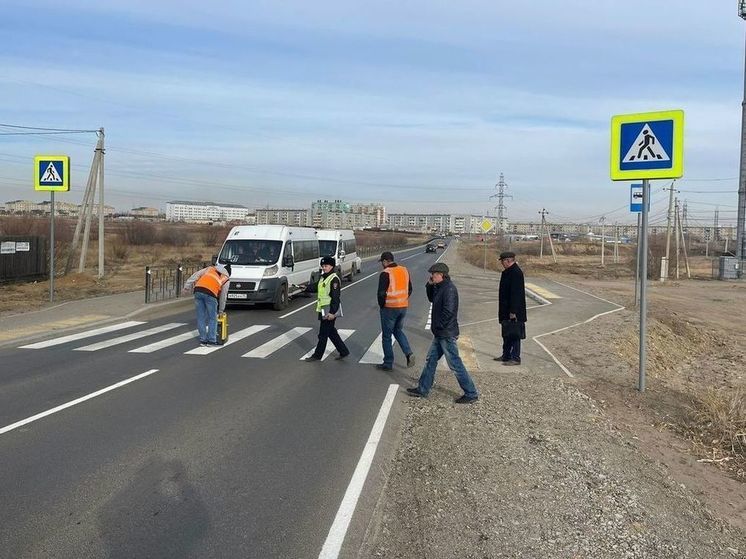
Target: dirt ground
{"type": "Point", "coordinates": [586, 467]}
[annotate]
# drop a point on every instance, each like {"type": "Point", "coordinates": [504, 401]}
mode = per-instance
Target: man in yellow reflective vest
{"type": "Point", "coordinates": [394, 289]}
{"type": "Point", "coordinates": [328, 307]}
{"type": "Point", "coordinates": [210, 286]}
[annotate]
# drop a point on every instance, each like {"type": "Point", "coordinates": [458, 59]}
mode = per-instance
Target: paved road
{"type": "Point", "coordinates": [216, 454]}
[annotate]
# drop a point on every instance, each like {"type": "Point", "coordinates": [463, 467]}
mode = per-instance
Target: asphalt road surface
{"type": "Point", "coordinates": [236, 451]}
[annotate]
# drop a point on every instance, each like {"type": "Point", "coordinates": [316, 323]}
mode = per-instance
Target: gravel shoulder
{"type": "Point", "coordinates": [536, 468]}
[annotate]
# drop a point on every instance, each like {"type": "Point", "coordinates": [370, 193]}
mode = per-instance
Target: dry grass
{"type": "Point", "coordinates": [717, 427]}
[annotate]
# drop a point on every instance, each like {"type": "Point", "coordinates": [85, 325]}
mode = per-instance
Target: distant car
{"type": "Point", "coordinates": [430, 248]}
{"type": "Point", "coordinates": [441, 244]}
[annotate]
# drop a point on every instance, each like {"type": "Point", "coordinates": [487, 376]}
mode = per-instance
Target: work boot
{"type": "Point", "coordinates": [511, 363]}
{"type": "Point", "coordinates": [312, 358]}
{"type": "Point", "coordinates": [501, 358]}
{"type": "Point", "coordinates": [415, 392]}
{"type": "Point", "coordinates": [410, 360]}
{"type": "Point", "coordinates": [382, 367]}
{"type": "Point", "coordinates": [466, 399]}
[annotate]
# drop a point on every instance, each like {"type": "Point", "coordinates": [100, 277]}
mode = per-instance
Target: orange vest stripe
{"type": "Point", "coordinates": [212, 281]}
{"type": "Point", "coordinates": [397, 295]}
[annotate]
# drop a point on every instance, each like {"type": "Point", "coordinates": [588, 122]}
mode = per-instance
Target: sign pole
{"type": "Point", "coordinates": [637, 260]}
{"type": "Point", "coordinates": [51, 247]}
{"type": "Point", "coordinates": [643, 282]}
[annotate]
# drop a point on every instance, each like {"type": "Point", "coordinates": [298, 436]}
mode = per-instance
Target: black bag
{"type": "Point", "coordinates": [513, 330]}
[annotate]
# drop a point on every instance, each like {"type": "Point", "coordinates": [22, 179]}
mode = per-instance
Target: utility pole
{"type": "Point", "coordinates": [95, 176]}
{"type": "Point", "coordinates": [741, 219]}
{"type": "Point", "coordinates": [543, 213]}
{"type": "Point", "coordinates": [685, 226]}
{"type": "Point", "coordinates": [664, 263]}
{"type": "Point", "coordinates": [616, 243]}
{"type": "Point", "coordinates": [603, 238]}
{"type": "Point", "coordinates": [686, 254]}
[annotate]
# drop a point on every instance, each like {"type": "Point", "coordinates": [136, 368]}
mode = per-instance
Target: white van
{"type": "Point", "coordinates": [269, 263]}
{"type": "Point", "coordinates": [341, 245]}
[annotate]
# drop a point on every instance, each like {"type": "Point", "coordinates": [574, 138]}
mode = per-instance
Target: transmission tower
{"type": "Point", "coordinates": [502, 211]}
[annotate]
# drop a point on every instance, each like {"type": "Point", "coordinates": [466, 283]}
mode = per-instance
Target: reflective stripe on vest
{"type": "Point", "coordinates": [211, 280]}
{"type": "Point", "coordinates": [324, 292]}
{"type": "Point", "coordinates": [397, 295]}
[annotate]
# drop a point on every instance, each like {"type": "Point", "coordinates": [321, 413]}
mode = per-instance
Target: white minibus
{"type": "Point", "coordinates": [340, 244]}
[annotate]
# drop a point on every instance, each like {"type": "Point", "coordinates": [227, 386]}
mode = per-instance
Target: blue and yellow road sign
{"type": "Point", "coordinates": [647, 146]}
{"type": "Point", "coordinates": [52, 173]}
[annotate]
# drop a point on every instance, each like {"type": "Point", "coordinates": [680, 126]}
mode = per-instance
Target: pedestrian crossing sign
{"type": "Point", "coordinates": [52, 173]}
{"type": "Point", "coordinates": [647, 146]}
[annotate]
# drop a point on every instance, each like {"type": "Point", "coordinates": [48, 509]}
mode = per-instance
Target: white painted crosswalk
{"type": "Point", "coordinates": [265, 350]}
{"type": "Point", "coordinates": [275, 340]}
{"type": "Point", "coordinates": [344, 334]}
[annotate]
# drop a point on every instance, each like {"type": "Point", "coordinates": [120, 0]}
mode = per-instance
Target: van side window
{"type": "Point", "coordinates": [350, 246]}
{"type": "Point", "coordinates": [288, 250]}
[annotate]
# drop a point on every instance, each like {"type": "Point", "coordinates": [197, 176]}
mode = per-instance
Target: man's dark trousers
{"type": "Point", "coordinates": [512, 349]}
{"type": "Point", "coordinates": [327, 331]}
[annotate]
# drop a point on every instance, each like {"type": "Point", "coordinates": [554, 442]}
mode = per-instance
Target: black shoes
{"type": "Point", "coordinates": [340, 357]}
{"type": "Point", "coordinates": [466, 399]}
{"type": "Point", "coordinates": [312, 358]}
{"type": "Point", "coordinates": [511, 363]}
{"type": "Point", "coordinates": [382, 367]}
{"type": "Point", "coordinates": [410, 360]}
{"type": "Point", "coordinates": [415, 393]}
{"type": "Point", "coordinates": [501, 358]}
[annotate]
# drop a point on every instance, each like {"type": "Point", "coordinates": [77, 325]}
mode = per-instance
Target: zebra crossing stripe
{"type": "Point", "coordinates": [271, 346]}
{"type": "Point", "coordinates": [233, 338]}
{"type": "Point", "coordinates": [83, 335]}
{"type": "Point", "coordinates": [375, 351]}
{"type": "Point", "coordinates": [155, 346]}
{"type": "Point", "coordinates": [130, 337]}
{"type": "Point", "coordinates": [344, 334]}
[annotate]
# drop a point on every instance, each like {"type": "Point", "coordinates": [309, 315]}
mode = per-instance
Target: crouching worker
{"type": "Point", "coordinates": [210, 286]}
{"type": "Point", "coordinates": [328, 308]}
{"type": "Point", "coordinates": [442, 293]}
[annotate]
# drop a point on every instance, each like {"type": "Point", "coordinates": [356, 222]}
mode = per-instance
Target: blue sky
{"type": "Point", "coordinates": [418, 104]}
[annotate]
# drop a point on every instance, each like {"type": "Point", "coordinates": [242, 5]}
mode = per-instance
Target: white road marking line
{"type": "Point", "coordinates": [279, 342]}
{"type": "Point", "coordinates": [586, 293]}
{"type": "Point", "coordinates": [429, 317]}
{"type": "Point", "coordinates": [344, 334]}
{"type": "Point", "coordinates": [38, 416]}
{"type": "Point", "coordinates": [535, 338]}
{"type": "Point", "coordinates": [337, 532]}
{"type": "Point", "coordinates": [232, 338]}
{"type": "Point", "coordinates": [375, 351]}
{"type": "Point", "coordinates": [155, 346]}
{"type": "Point", "coordinates": [131, 337]}
{"type": "Point", "coordinates": [83, 335]}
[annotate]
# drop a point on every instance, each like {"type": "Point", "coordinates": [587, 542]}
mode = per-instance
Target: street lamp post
{"type": "Point", "coordinates": [741, 220]}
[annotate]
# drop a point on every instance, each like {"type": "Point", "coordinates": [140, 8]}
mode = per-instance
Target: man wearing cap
{"type": "Point", "coordinates": [442, 293]}
{"type": "Point", "coordinates": [394, 289]}
{"type": "Point", "coordinates": [210, 286]}
{"type": "Point", "coordinates": [328, 307]}
{"type": "Point", "coordinates": [511, 309]}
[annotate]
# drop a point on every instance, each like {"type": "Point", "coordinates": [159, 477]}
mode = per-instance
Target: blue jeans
{"type": "Point", "coordinates": [207, 316]}
{"type": "Point", "coordinates": [392, 323]}
{"type": "Point", "coordinates": [449, 348]}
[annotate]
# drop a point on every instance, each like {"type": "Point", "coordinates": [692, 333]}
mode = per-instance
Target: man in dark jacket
{"type": "Point", "coordinates": [442, 293]}
{"type": "Point", "coordinates": [511, 310]}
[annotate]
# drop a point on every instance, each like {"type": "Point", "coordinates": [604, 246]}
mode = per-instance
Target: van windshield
{"type": "Point", "coordinates": [250, 252]}
{"type": "Point", "coordinates": [328, 248]}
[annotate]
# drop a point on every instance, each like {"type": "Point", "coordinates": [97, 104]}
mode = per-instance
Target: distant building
{"type": "Point", "coordinates": [151, 213]}
{"type": "Point", "coordinates": [273, 216]}
{"type": "Point", "coordinates": [337, 214]}
{"type": "Point", "coordinates": [199, 212]}
{"type": "Point", "coordinates": [20, 206]}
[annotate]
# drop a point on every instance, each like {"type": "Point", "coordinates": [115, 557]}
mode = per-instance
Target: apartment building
{"type": "Point", "coordinates": [201, 212]}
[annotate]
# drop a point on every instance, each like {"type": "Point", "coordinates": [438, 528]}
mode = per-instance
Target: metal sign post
{"type": "Point", "coordinates": [646, 146]}
{"type": "Point", "coordinates": [643, 256]}
{"type": "Point", "coordinates": [637, 260]}
{"type": "Point", "coordinates": [51, 247]}
{"type": "Point", "coordinates": [51, 174]}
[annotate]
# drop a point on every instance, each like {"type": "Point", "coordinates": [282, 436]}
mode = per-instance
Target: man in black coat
{"type": "Point", "coordinates": [444, 324]}
{"type": "Point", "coordinates": [512, 309]}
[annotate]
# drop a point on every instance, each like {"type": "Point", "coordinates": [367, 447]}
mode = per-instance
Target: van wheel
{"type": "Point", "coordinates": [281, 298]}
{"type": "Point", "coordinates": [351, 277]}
